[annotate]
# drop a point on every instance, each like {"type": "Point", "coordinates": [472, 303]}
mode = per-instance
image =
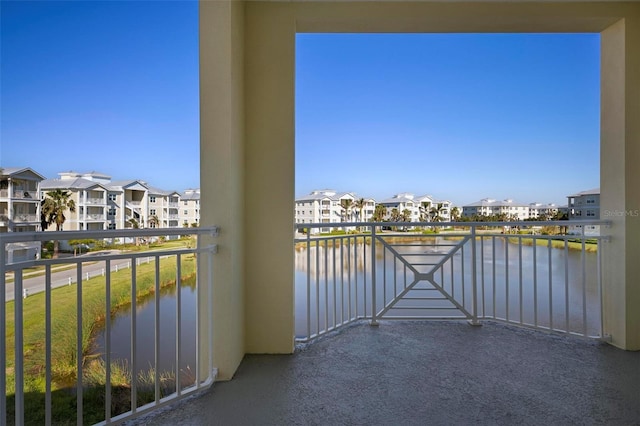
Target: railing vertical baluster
{"type": "Point", "coordinates": [583, 262]}
{"type": "Point", "coordinates": [374, 320]}
{"type": "Point", "coordinates": [156, 328]}
{"type": "Point", "coordinates": [178, 323]}
{"type": "Point", "coordinates": [462, 277]}
{"type": "Point", "coordinates": [364, 275]}
{"type": "Point", "coordinates": [326, 283]}
{"type": "Point", "coordinates": [134, 352]}
{"type": "Point", "coordinates": [335, 279]}
{"type": "Point", "coordinates": [318, 247]}
{"type": "Point", "coordinates": [484, 306]}
{"type": "Point", "coordinates": [535, 284]}
{"type": "Point", "coordinates": [474, 278]}
{"type": "Point", "coordinates": [600, 247]}
{"type": "Point", "coordinates": [79, 344]}
{"type": "Point", "coordinates": [107, 338]}
{"type": "Point", "coordinates": [349, 277]}
{"type": "Point", "coordinates": [18, 347]}
{"type": "Point", "coordinates": [3, 336]}
{"type": "Point", "coordinates": [520, 277]}
{"type": "Point", "coordinates": [493, 266]}
{"type": "Point", "coordinates": [384, 276]}
{"type": "Point", "coordinates": [47, 343]}
{"type": "Point", "coordinates": [566, 285]}
{"type": "Point", "coordinates": [506, 275]}
{"type": "Point", "coordinates": [210, 325]}
{"type": "Point", "coordinates": [550, 285]}
{"type": "Point", "coordinates": [309, 282]}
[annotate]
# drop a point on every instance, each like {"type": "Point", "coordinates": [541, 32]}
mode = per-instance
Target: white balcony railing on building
{"type": "Point", "coordinates": [30, 217]}
{"type": "Point", "coordinates": [26, 194]}
{"type": "Point", "coordinates": [477, 271]}
{"type": "Point", "coordinates": [97, 201]}
{"type": "Point", "coordinates": [94, 216]}
{"type": "Point", "coordinates": [51, 310]}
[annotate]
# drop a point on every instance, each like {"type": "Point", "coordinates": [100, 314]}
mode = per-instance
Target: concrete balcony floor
{"type": "Point", "coordinates": [425, 373]}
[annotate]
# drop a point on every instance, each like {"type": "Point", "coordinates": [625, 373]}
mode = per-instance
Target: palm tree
{"type": "Point", "coordinates": [359, 204]}
{"type": "Point", "coordinates": [154, 222]}
{"type": "Point", "coordinates": [346, 205]}
{"type": "Point", "coordinates": [379, 213]}
{"type": "Point", "coordinates": [435, 212]}
{"type": "Point", "coordinates": [455, 214]}
{"type": "Point", "coordinates": [424, 211]}
{"type": "Point", "coordinates": [52, 211]}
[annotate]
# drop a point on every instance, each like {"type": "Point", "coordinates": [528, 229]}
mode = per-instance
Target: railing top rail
{"type": "Point", "coordinates": [11, 237]}
{"type": "Point", "coordinates": [457, 224]}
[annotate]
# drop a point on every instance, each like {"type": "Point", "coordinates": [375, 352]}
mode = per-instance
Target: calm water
{"type": "Point", "coordinates": [145, 333]}
{"type": "Point", "coordinates": [344, 274]}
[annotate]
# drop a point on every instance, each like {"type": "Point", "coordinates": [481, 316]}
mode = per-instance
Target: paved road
{"type": "Point", "coordinates": [68, 276]}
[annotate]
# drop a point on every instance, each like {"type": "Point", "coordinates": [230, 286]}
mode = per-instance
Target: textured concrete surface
{"type": "Point", "coordinates": [425, 373]}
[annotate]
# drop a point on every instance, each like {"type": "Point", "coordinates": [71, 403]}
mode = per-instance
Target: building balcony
{"type": "Point", "coordinates": [95, 201]}
{"type": "Point", "coordinates": [25, 218]}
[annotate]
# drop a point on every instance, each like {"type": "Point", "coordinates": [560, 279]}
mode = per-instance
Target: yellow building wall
{"type": "Point", "coordinates": [248, 144]}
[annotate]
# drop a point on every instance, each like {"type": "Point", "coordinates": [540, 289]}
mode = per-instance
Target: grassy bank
{"type": "Point", "coordinates": [63, 353]}
{"type": "Point", "coordinates": [590, 245]}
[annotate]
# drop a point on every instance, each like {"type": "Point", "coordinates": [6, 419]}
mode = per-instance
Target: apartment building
{"type": "Point", "coordinates": [190, 207]}
{"type": "Point", "coordinates": [508, 208]}
{"type": "Point", "coordinates": [401, 202]}
{"type": "Point", "coordinates": [20, 209]}
{"type": "Point", "coordinates": [542, 211]}
{"type": "Point", "coordinates": [326, 206]}
{"type": "Point", "coordinates": [584, 205]}
{"type": "Point", "coordinates": [102, 203]}
{"type": "Point", "coordinates": [89, 197]}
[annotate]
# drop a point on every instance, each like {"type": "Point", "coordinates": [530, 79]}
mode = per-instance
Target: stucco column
{"type": "Point", "coordinates": [269, 177]}
{"type": "Point", "coordinates": [221, 177]}
{"type": "Point", "coordinates": [620, 177]}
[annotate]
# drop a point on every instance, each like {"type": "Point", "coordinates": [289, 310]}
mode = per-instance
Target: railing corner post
{"type": "Point", "coordinates": [474, 279]}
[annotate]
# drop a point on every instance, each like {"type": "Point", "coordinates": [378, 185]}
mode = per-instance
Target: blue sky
{"type": "Point", "coordinates": [106, 86]}
{"type": "Point", "coordinates": [458, 116]}
{"type": "Point", "coordinates": [113, 87]}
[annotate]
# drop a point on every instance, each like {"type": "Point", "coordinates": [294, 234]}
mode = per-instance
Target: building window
{"type": "Point", "coordinates": [152, 199]}
{"type": "Point", "coordinates": [152, 212]}
{"type": "Point", "coordinates": [112, 197]}
{"type": "Point", "coordinates": [111, 226]}
{"type": "Point", "coordinates": [111, 212]}
{"type": "Point", "coordinates": [185, 203]}
{"type": "Point", "coordinates": [186, 212]}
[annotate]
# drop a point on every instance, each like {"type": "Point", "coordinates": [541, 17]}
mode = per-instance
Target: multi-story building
{"type": "Point", "coordinates": [163, 208]}
{"type": "Point", "coordinates": [20, 209]}
{"type": "Point", "coordinates": [584, 205]}
{"type": "Point", "coordinates": [401, 202]}
{"type": "Point", "coordinates": [190, 207]}
{"type": "Point", "coordinates": [327, 206]}
{"type": "Point", "coordinates": [542, 211]}
{"type": "Point", "coordinates": [432, 209]}
{"type": "Point", "coordinates": [89, 196]}
{"type": "Point", "coordinates": [509, 209]}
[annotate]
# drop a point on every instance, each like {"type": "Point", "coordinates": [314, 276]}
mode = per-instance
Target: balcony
{"type": "Point", "coordinates": [417, 373]}
{"type": "Point", "coordinates": [345, 284]}
{"type": "Point", "coordinates": [95, 201]}
{"type": "Point", "coordinates": [25, 218]}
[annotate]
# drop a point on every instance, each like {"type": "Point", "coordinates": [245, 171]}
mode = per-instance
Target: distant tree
{"type": "Point", "coordinates": [379, 213]}
{"type": "Point", "coordinates": [346, 205]}
{"type": "Point", "coordinates": [455, 214]}
{"type": "Point", "coordinates": [78, 244]}
{"type": "Point", "coordinates": [154, 222]}
{"type": "Point", "coordinates": [52, 211]}
{"type": "Point", "coordinates": [424, 208]}
{"type": "Point", "coordinates": [359, 205]}
{"type": "Point", "coordinates": [435, 213]}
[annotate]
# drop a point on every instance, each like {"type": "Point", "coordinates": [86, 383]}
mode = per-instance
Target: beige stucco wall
{"type": "Point", "coordinates": [247, 143]}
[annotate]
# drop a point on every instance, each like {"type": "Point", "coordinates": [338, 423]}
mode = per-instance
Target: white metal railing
{"type": "Point", "coordinates": [80, 288]}
{"type": "Point", "coordinates": [503, 271]}
{"type": "Point", "coordinates": [92, 200]}
{"type": "Point", "coordinates": [25, 217]}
